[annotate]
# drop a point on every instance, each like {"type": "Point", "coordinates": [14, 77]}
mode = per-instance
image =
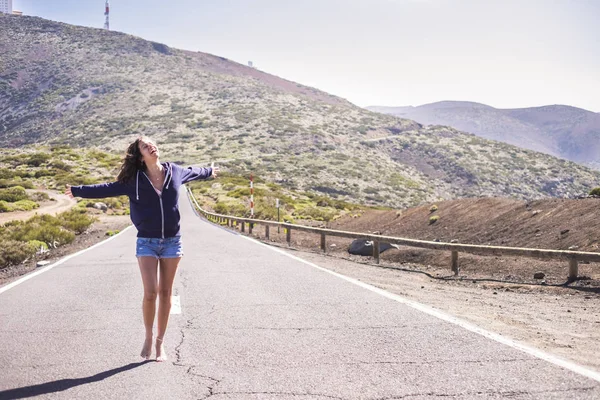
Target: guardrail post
{"type": "Point", "coordinates": [376, 251]}
{"type": "Point", "coordinates": [573, 269]}
{"type": "Point", "coordinates": [250, 228]}
{"type": "Point", "coordinates": [323, 244]}
{"type": "Point", "coordinates": [267, 231]}
{"type": "Point", "coordinates": [454, 262]}
{"type": "Point", "coordinates": [243, 226]}
{"type": "Point", "coordinates": [288, 235]}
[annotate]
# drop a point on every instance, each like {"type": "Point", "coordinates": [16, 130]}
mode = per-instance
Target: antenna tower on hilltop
{"type": "Point", "coordinates": [106, 12]}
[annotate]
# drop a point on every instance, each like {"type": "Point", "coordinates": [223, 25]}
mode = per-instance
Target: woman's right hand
{"type": "Point", "coordinates": [68, 191]}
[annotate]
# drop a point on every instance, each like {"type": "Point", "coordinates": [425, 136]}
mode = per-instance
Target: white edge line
{"type": "Point", "coordinates": [176, 305]}
{"type": "Point", "coordinates": [589, 373]}
{"type": "Point", "coordinates": [49, 267]}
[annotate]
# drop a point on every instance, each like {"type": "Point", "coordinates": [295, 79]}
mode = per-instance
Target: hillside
{"type": "Point", "coordinates": [95, 88]}
{"type": "Point", "coordinates": [563, 131]}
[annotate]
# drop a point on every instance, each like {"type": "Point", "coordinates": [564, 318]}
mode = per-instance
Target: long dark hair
{"type": "Point", "coordinates": [132, 162]}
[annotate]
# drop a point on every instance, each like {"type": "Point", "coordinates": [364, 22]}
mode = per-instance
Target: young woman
{"type": "Point", "coordinates": [153, 190]}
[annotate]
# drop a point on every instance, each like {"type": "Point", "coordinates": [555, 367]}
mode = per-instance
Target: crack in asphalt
{"type": "Point", "coordinates": [187, 325]}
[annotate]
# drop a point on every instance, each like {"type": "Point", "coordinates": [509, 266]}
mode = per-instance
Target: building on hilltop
{"type": "Point", "coordinates": [6, 6]}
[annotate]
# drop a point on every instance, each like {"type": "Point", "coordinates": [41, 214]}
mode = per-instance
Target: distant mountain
{"type": "Point", "coordinates": [563, 131]}
{"type": "Point", "coordinates": [95, 88]}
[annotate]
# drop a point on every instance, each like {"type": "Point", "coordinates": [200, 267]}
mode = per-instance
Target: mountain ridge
{"type": "Point", "coordinates": [561, 130]}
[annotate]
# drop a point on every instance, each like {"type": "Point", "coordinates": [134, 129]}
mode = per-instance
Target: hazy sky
{"type": "Point", "coordinates": [505, 53]}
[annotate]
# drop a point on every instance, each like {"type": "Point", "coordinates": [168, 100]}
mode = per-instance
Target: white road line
{"type": "Point", "coordinates": [49, 267]}
{"type": "Point", "coordinates": [571, 366]}
{"type": "Point", "coordinates": [175, 305]}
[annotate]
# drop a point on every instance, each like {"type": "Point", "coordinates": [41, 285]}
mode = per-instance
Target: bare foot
{"type": "Point", "coordinates": [147, 349]}
{"type": "Point", "coordinates": [160, 351]}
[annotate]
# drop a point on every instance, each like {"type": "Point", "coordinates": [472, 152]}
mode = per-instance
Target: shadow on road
{"type": "Point", "coordinates": [64, 384]}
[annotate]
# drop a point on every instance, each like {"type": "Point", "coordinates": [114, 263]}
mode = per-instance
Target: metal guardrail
{"type": "Point", "coordinates": [573, 257]}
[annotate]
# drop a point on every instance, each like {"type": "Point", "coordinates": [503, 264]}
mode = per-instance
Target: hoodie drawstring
{"type": "Point", "coordinates": [170, 175]}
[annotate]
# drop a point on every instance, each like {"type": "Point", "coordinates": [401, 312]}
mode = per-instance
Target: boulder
{"type": "Point", "coordinates": [364, 247]}
{"type": "Point", "coordinates": [101, 206]}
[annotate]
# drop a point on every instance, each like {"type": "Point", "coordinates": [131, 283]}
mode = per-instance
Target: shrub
{"type": "Point", "coordinates": [13, 194]}
{"type": "Point", "coordinates": [316, 213]}
{"type": "Point", "coordinates": [15, 252]}
{"type": "Point", "coordinates": [234, 209]}
{"type": "Point", "coordinates": [595, 192]}
{"type": "Point", "coordinates": [51, 234]}
{"type": "Point", "coordinates": [433, 219]}
{"type": "Point", "coordinates": [6, 173]}
{"type": "Point", "coordinates": [5, 183]}
{"type": "Point", "coordinates": [39, 246]}
{"type": "Point", "coordinates": [433, 208]}
{"type": "Point", "coordinates": [54, 231]}
{"type": "Point", "coordinates": [75, 220]}
{"type": "Point", "coordinates": [43, 172]}
{"type": "Point", "coordinates": [63, 179]}
{"type": "Point", "coordinates": [37, 159]}
{"type": "Point", "coordinates": [245, 191]}
{"type": "Point", "coordinates": [21, 205]}
{"type": "Point", "coordinates": [265, 211]}
{"type": "Point", "coordinates": [39, 196]}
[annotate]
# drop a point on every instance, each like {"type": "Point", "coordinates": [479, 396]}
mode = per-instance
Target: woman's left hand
{"type": "Point", "coordinates": [215, 170]}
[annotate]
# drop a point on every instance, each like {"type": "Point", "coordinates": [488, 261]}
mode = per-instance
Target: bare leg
{"type": "Point", "coordinates": [148, 266]}
{"type": "Point", "coordinates": [168, 268]}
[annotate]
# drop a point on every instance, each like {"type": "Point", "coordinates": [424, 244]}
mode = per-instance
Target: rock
{"type": "Point", "coordinates": [333, 245]}
{"type": "Point", "coordinates": [100, 206]}
{"type": "Point", "coordinates": [539, 275]}
{"type": "Point", "coordinates": [454, 241]}
{"type": "Point", "coordinates": [536, 212]}
{"type": "Point", "coordinates": [573, 247]}
{"type": "Point", "coordinates": [40, 264]}
{"type": "Point", "coordinates": [564, 231]}
{"type": "Point", "coordinates": [364, 247]}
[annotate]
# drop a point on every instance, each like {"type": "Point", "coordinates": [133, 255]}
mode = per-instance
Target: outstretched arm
{"type": "Point", "coordinates": [97, 191]}
{"type": "Point", "coordinates": [194, 173]}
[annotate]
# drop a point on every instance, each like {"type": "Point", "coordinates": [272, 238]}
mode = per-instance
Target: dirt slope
{"type": "Point", "coordinates": [560, 224]}
{"type": "Point", "coordinates": [493, 221]}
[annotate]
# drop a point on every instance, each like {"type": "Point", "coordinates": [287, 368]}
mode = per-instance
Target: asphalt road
{"type": "Point", "coordinates": [255, 324]}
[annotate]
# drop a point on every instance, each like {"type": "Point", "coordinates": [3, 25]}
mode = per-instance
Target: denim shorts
{"type": "Point", "coordinates": [159, 248]}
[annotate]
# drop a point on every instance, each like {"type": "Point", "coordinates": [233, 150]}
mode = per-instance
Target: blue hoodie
{"type": "Point", "coordinates": [154, 215]}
